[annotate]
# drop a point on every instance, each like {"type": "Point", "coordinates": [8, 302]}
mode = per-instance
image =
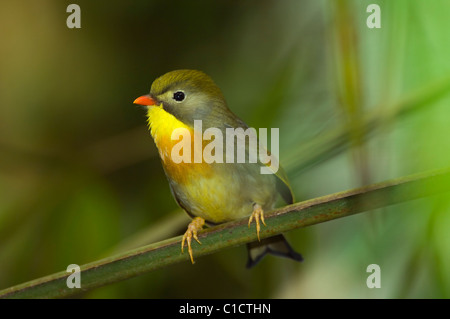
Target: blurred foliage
{"type": "Point", "coordinates": [79, 173]}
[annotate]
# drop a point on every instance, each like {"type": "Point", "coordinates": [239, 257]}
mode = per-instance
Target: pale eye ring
{"type": "Point", "coordinates": [179, 96]}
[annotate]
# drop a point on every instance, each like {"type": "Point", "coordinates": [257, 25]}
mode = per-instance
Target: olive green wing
{"type": "Point", "coordinates": [282, 182]}
{"type": "Point", "coordinates": [283, 186]}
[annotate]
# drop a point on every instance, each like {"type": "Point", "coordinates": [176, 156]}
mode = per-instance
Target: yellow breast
{"type": "Point", "coordinates": [162, 124]}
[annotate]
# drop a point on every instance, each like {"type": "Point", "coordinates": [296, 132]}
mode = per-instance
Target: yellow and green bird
{"type": "Point", "coordinates": [211, 193]}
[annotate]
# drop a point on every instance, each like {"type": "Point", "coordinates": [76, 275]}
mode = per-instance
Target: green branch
{"type": "Point", "coordinates": [167, 252]}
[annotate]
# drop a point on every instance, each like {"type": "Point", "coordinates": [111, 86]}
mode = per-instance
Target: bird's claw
{"type": "Point", "coordinates": [194, 226]}
{"type": "Point", "coordinates": [257, 214]}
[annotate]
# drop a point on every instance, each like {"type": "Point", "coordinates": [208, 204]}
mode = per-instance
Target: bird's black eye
{"type": "Point", "coordinates": [179, 96]}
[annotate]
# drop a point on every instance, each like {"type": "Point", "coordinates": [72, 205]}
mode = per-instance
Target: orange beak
{"type": "Point", "coordinates": [145, 100]}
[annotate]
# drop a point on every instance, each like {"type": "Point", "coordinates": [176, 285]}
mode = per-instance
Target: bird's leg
{"type": "Point", "coordinates": [257, 214]}
{"type": "Point", "coordinates": [195, 225]}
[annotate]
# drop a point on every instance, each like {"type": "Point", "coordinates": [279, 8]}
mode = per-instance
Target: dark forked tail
{"type": "Point", "coordinates": [276, 245]}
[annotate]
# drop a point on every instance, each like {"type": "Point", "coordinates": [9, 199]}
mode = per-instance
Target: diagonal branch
{"type": "Point", "coordinates": [167, 252]}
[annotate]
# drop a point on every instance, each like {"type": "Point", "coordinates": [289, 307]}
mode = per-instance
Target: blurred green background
{"type": "Point", "coordinates": [80, 178]}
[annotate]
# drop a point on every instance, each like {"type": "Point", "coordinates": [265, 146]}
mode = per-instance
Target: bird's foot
{"type": "Point", "coordinates": [257, 214]}
{"type": "Point", "coordinates": [195, 225]}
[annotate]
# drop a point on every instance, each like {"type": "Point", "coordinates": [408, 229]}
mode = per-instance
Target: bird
{"type": "Point", "coordinates": [211, 193]}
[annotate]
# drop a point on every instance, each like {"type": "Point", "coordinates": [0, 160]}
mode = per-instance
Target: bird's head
{"type": "Point", "coordinates": [186, 94]}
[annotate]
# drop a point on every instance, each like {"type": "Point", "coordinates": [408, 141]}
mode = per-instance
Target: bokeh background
{"type": "Point", "coordinates": [80, 178]}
